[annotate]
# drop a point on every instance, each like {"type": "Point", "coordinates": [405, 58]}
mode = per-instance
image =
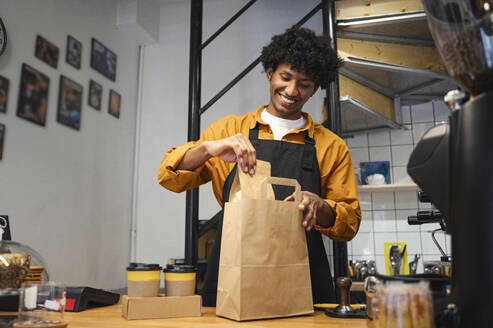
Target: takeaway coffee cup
{"type": "Point", "coordinates": [179, 279]}
{"type": "Point", "coordinates": [143, 279]}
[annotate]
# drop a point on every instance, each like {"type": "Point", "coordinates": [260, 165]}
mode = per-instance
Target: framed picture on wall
{"type": "Point", "coordinates": [33, 95]}
{"type": "Point", "coordinates": [4, 92]}
{"type": "Point", "coordinates": [46, 51]}
{"type": "Point", "coordinates": [103, 60]}
{"type": "Point", "coordinates": [74, 51]}
{"type": "Point", "coordinates": [2, 137]}
{"type": "Point", "coordinates": [95, 95]}
{"type": "Point", "coordinates": [114, 103]}
{"type": "Point", "coordinates": [5, 224]}
{"type": "Point", "coordinates": [69, 103]}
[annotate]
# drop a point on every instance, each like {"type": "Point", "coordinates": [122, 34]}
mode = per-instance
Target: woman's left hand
{"type": "Point", "coordinates": [315, 210]}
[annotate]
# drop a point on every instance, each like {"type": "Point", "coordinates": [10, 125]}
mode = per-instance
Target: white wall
{"type": "Point", "coordinates": [161, 213]}
{"type": "Point", "coordinates": [69, 192]}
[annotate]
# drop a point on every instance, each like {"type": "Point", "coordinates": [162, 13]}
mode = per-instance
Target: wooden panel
{"type": "Point", "coordinates": [368, 97]}
{"type": "Point", "coordinates": [391, 53]}
{"type": "Point", "coordinates": [358, 8]}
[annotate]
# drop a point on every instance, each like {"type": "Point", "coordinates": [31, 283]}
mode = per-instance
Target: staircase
{"type": "Point", "coordinates": [389, 60]}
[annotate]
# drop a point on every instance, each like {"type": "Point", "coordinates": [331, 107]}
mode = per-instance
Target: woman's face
{"type": "Point", "coordinates": [289, 91]}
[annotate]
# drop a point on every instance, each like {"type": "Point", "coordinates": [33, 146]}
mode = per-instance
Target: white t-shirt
{"type": "Point", "coordinates": [281, 126]}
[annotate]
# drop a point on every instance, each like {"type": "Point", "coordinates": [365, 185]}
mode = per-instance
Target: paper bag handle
{"type": "Point", "coordinates": [282, 182]}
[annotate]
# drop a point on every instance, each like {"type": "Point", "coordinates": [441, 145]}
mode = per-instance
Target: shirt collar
{"type": "Point", "coordinates": [309, 125]}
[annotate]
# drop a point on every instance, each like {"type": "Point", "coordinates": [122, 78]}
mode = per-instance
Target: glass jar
{"type": "Point", "coordinates": [463, 34]}
{"type": "Point", "coordinates": [396, 304]}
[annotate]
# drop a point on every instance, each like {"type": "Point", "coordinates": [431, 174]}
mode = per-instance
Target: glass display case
{"type": "Point", "coordinates": [18, 263]}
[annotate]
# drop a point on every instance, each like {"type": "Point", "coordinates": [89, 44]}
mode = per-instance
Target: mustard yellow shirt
{"type": "Point", "coordinates": [337, 174]}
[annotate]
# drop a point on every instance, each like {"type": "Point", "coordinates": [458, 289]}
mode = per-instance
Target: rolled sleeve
{"type": "Point", "coordinates": [180, 180]}
{"type": "Point", "coordinates": [346, 224]}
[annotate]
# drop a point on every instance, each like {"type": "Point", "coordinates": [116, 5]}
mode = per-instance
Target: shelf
{"type": "Point", "coordinates": [357, 117]}
{"type": "Point", "coordinates": [410, 85]}
{"type": "Point", "coordinates": [403, 28]}
{"type": "Point", "coordinates": [388, 187]}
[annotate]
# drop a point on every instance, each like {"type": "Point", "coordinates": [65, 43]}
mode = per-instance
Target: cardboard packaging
{"type": "Point", "coordinates": [161, 307]}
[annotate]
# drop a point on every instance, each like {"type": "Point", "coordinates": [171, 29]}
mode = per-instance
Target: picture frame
{"type": "Point", "coordinates": [114, 103]}
{"type": "Point", "coordinates": [103, 60]}
{"type": "Point", "coordinates": [32, 104]}
{"type": "Point", "coordinates": [2, 138]}
{"type": "Point", "coordinates": [69, 103]}
{"type": "Point", "coordinates": [74, 52]}
{"type": "Point", "coordinates": [46, 51]}
{"type": "Point", "coordinates": [4, 94]}
{"type": "Point", "coordinates": [5, 224]}
{"type": "Point", "coordinates": [95, 95]}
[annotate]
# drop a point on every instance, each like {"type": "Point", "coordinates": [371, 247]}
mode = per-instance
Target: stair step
{"type": "Point", "coordinates": [364, 8]}
{"type": "Point", "coordinates": [372, 92]}
{"type": "Point", "coordinates": [419, 57]}
{"type": "Point", "coordinates": [403, 28]}
{"type": "Point", "coordinates": [364, 109]}
{"type": "Point", "coordinates": [356, 117]}
{"type": "Point", "coordinates": [375, 100]}
{"type": "Point", "coordinates": [411, 85]}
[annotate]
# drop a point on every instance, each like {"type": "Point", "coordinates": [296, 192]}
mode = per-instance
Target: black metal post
{"type": "Point", "coordinates": [334, 119]}
{"type": "Point", "coordinates": [192, 203]}
{"type": "Point", "coordinates": [329, 30]}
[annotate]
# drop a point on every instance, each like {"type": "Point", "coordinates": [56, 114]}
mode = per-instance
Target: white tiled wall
{"type": "Point", "coordinates": [384, 214]}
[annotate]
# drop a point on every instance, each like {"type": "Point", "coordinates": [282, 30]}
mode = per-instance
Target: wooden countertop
{"type": "Point", "coordinates": [111, 317]}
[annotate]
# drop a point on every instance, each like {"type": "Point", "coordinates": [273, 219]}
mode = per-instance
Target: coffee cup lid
{"type": "Point", "coordinates": [134, 266]}
{"type": "Point", "coordinates": [180, 268]}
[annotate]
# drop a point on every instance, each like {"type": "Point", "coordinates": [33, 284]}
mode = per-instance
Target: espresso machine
{"type": "Point", "coordinates": [453, 162]}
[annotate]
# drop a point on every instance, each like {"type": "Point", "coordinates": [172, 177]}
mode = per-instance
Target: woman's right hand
{"type": "Point", "coordinates": [236, 148]}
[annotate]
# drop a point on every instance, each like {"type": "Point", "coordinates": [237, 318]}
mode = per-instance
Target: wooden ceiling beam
{"type": "Point", "coordinates": [359, 8]}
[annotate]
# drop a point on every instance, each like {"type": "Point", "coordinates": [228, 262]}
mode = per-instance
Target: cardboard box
{"type": "Point", "coordinates": [161, 307]}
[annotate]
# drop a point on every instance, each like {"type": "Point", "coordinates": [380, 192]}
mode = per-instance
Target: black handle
{"type": "Point", "coordinates": [422, 217]}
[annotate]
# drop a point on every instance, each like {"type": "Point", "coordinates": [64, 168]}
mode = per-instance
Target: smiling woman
{"type": "Point", "coordinates": [320, 63]}
{"type": "Point", "coordinates": [296, 63]}
{"type": "Point", "coordinates": [294, 73]}
{"type": "Point", "coordinates": [289, 91]}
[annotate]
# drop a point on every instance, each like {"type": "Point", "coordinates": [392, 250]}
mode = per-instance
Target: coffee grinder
{"type": "Point", "coordinates": [453, 163]}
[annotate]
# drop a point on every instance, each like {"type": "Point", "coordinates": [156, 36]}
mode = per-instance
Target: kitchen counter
{"type": "Point", "coordinates": [110, 316]}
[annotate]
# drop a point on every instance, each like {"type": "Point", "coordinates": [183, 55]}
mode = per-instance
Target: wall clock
{"type": "Point", "coordinates": [3, 37]}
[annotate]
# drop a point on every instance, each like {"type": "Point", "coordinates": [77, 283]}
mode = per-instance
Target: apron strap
{"type": "Point", "coordinates": [308, 152]}
{"type": "Point", "coordinates": [253, 135]}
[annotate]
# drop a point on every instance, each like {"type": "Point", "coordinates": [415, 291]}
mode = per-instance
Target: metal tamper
{"type": "Point", "coordinates": [344, 309]}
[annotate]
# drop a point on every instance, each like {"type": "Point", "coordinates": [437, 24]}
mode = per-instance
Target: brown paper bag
{"type": "Point", "coordinates": [263, 268]}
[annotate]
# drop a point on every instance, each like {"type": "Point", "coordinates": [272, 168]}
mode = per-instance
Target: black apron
{"type": "Point", "coordinates": [288, 160]}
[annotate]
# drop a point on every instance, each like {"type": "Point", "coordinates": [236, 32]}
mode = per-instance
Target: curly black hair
{"type": "Point", "coordinates": [305, 52]}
